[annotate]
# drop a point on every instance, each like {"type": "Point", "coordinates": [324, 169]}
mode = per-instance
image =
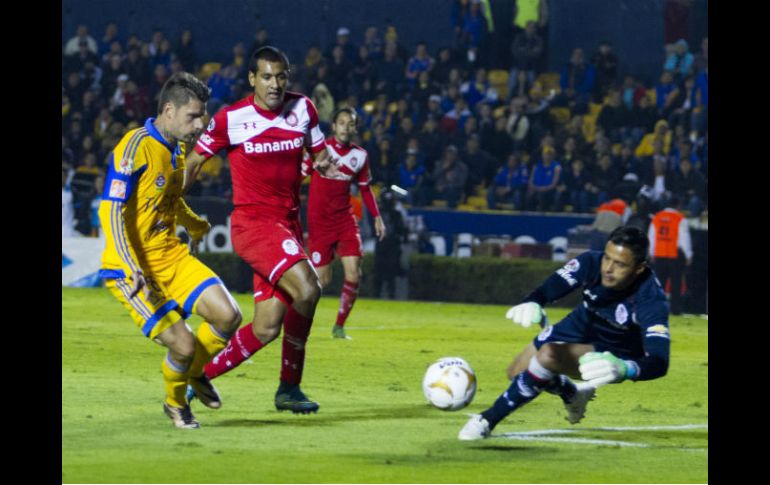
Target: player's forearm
{"type": "Point", "coordinates": [186, 217]}
{"type": "Point", "coordinates": [655, 362]}
{"type": "Point", "coordinates": [552, 289]}
{"type": "Point", "coordinates": [368, 198]}
{"type": "Point", "coordinates": [193, 166]}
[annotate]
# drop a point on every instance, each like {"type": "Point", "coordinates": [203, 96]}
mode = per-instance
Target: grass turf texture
{"type": "Point", "coordinates": [374, 425]}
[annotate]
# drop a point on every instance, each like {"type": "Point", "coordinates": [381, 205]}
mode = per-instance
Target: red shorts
{"type": "Point", "coordinates": [323, 242]}
{"type": "Point", "coordinates": [270, 245]}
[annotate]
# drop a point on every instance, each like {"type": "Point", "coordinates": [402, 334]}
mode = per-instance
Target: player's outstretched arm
{"type": "Point", "coordinates": [193, 164]}
{"type": "Point", "coordinates": [196, 226]}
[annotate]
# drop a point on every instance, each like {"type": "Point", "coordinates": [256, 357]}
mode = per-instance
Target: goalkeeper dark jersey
{"type": "Point", "coordinates": [631, 323]}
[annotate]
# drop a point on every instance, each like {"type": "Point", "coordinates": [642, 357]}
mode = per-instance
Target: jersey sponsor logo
{"type": "Point", "coordinates": [590, 295]}
{"type": "Point", "coordinates": [621, 314]}
{"type": "Point", "coordinates": [275, 146]}
{"type": "Point", "coordinates": [118, 189]}
{"type": "Point", "coordinates": [545, 333]}
{"type": "Point", "coordinates": [316, 257]}
{"type": "Point", "coordinates": [572, 266]}
{"type": "Point", "coordinates": [290, 247]}
{"type": "Point", "coordinates": [206, 138]}
{"type": "Point", "coordinates": [212, 125]}
{"type": "Point", "coordinates": [291, 119]}
{"type": "Point", "coordinates": [567, 276]}
{"type": "Point", "coordinates": [160, 181]}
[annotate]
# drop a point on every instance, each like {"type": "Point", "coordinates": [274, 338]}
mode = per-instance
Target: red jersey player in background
{"type": "Point", "coordinates": [331, 224]}
{"type": "Point", "coordinates": [264, 136]}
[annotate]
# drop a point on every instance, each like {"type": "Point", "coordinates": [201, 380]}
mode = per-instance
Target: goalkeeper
{"type": "Point", "coordinates": [618, 332]}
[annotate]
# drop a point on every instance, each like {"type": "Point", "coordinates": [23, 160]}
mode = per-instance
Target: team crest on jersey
{"type": "Point", "coordinates": [572, 266]}
{"type": "Point", "coordinates": [118, 189]}
{"type": "Point", "coordinates": [316, 256]}
{"type": "Point", "coordinates": [657, 331]}
{"type": "Point", "coordinates": [125, 166]}
{"type": "Point", "coordinates": [353, 162]}
{"type": "Point", "coordinates": [212, 125]}
{"type": "Point", "coordinates": [290, 247]}
{"type": "Point", "coordinates": [291, 119]}
{"type": "Point", "coordinates": [621, 314]}
{"type": "Point", "coordinates": [545, 333]}
{"type": "Point", "coordinates": [160, 181]}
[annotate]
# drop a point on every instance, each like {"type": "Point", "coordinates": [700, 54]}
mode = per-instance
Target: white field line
{"type": "Point", "coordinates": [542, 435]}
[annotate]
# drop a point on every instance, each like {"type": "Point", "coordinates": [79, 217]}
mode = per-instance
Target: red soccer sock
{"type": "Point", "coordinates": [242, 346]}
{"type": "Point", "coordinates": [296, 329]}
{"type": "Point", "coordinates": [347, 299]}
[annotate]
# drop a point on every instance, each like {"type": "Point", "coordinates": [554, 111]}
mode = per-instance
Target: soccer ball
{"type": "Point", "coordinates": [449, 384]}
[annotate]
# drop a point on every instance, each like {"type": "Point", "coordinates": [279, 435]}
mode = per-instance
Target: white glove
{"type": "Point", "coordinates": [599, 368]}
{"type": "Point", "coordinates": [526, 314]}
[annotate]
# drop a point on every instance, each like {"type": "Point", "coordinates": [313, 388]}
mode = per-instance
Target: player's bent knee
{"type": "Point", "coordinates": [308, 292]}
{"type": "Point", "coordinates": [266, 332]}
{"type": "Point", "coordinates": [548, 356]}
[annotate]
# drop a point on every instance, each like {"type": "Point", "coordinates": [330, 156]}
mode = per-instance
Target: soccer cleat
{"type": "Point", "coordinates": [476, 428]}
{"type": "Point", "coordinates": [339, 332]}
{"type": "Point", "coordinates": [576, 408]}
{"type": "Point", "coordinates": [181, 417]}
{"type": "Point", "coordinates": [291, 398]}
{"type": "Point", "coordinates": [202, 388]}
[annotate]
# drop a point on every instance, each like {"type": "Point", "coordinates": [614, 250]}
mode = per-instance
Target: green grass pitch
{"type": "Point", "coordinates": [374, 425]}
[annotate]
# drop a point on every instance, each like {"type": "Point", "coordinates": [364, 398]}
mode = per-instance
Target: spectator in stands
{"type": "Point", "coordinates": [510, 184]}
{"type": "Point", "coordinates": [632, 92]}
{"type": "Point", "coordinates": [419, 62]}
{"type": "Point", "coordinates": [432, 142]}
{"type": "Point", "coordinates": [659, 182]}
{"type": "Point", "coordinates": [679, 60]}
{"type": "Point", "coordinates": [387, 253]}
{"type": "Point", "coordinates": [389, 73]}
{"type": "Point", "coordinates": [606, 62]}
{"type": "Point", "coordinates": [261, 39]}
{"type": "Point", "coordinates": [340, 68]}
{"type": "Point", "coordinates": [700, 111]}
{"type": "Point", "coordinates": [453, 120]}
{"type": "Point", "coordinates": [569, 151]}
{"type": "Point", "coordinates": [643, 118]}
{"type": "Point", "coordinates": [83, 191]}
{"type": "Point", "coordinates": [481, 165]}
{"type": "Point", "coordinates": [373, 42]}
{"type": "Point", "coordinates": [137, 67]}
{"type": "Point", "coordinates": [136, 105]}
{"type": "Point", "coordinates": [614, 118]}
{"type": "Point", "coordinates": [444, 64]}
{"type": "Point", "coordinates": [185, 51]}
{"type": "Point", "coordinates": [527, 50]}
{"type": "Point", "coordinates": [520, 85]}
{"type": "Point", "coordinates": [545, 177]}
{"type": "Point", "coordinates": [411, 173]}
{"type": "Point", "coordinates": [110, 36]}
{"type": "Point", "coordinates": [604, 178]}
{"type": "Point", "coordinates": [662, 135]}
{"type": "Point", "coordinates": [73, 44]}
{"type": "Point", "coordinates": [627, 162]}
{"type": "Point", "coordinates": [701, 59]}
{"type": "Point", "coordinates": [577, 82]}
{"type": "Point", "coordinates": [404, 132]}
{"type": "Point", "coordinates": [450, 176]}
{"type": "Point", "coordinates": [479, 90]}
{"type": "Point", "coordinates": [572, 187]}
{"type": "Point", "coordinates": [517, 125]}
{"type": "Point", "coordinates": [77, 61]}
{"type": "Point", "coordinates": [665, 94]}
{"type": "Point", "coordinates": [384, 164]}
{"type": "Point", "coordinates": [343, 41]}
{"type": "Point", "coordinates": [110, 73]}
{"type": "Point", "coordinates": [159, 77]}
{"type": "Point", "coordinates": [424, 90]}
{"type": "Point", "coordinates": [67, 207]}
{"type": "Point", "coordinates": [362, 76]}
{"type": "Point", "coordinates": [688, 184]}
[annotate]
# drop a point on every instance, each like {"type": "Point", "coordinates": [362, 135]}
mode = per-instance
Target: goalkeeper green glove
{"type": "Point", "coordinates": [599, 368]}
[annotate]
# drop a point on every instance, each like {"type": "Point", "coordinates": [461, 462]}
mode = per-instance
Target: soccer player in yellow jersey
{"type": "Point", "coordinates": [146, 267]}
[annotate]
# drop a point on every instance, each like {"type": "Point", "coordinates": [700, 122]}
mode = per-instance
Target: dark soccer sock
{"type": "Point", "coordinates": [347, 300]}
{"type": "Point", "coordinates": [242, 346]}
{"type": "Point", "coordinates": [563, 387]}
{"type": "Point", "coordinates": [524, 387]}
{"type": "Point", "coordinates": [296, 329]}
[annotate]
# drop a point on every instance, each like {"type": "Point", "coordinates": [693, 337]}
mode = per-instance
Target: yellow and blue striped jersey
{"type": "Point", "coordinates": [144, 181]}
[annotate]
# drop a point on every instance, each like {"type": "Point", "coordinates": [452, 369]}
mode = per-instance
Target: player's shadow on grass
{"type": "Point", "coordinates": [321, 419]}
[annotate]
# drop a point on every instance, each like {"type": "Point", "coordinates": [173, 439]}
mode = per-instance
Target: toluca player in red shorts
{"type": "Point", "coordinates": [264, 136]}
{"type": "Point", "coordinates": [332, 227]}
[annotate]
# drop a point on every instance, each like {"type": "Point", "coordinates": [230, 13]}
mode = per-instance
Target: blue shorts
{"type": "Point", "coordinates": [580, 327]}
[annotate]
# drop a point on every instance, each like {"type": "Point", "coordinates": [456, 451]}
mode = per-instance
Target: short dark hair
{"type": "Point", "coordinates": [270, 54]}
{"type": "Point", "coordinates": [632, 238]}
{"type": "Point", "coordinates": [180, 88]}
{"type": "Point", "coordinates": [349, 111]}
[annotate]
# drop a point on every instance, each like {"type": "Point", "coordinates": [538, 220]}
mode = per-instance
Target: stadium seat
{"type": "Point", "coordinates": [525, 240]}
{"type": "Point", "coordinates": [477, 203]}
{"type": "Point", "coordinates": [498, 78]}
{"type": "Point", "coordinates": [560, 115]}
{"type": "Point", "coordinates": [549, 80]}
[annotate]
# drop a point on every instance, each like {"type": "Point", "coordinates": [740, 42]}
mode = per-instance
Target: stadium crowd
{"type": "Point", "coordinates": [462, 126]}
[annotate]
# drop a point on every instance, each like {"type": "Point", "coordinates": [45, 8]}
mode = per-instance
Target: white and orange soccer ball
{"type": "Point", "coordinates": [449, 384]}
